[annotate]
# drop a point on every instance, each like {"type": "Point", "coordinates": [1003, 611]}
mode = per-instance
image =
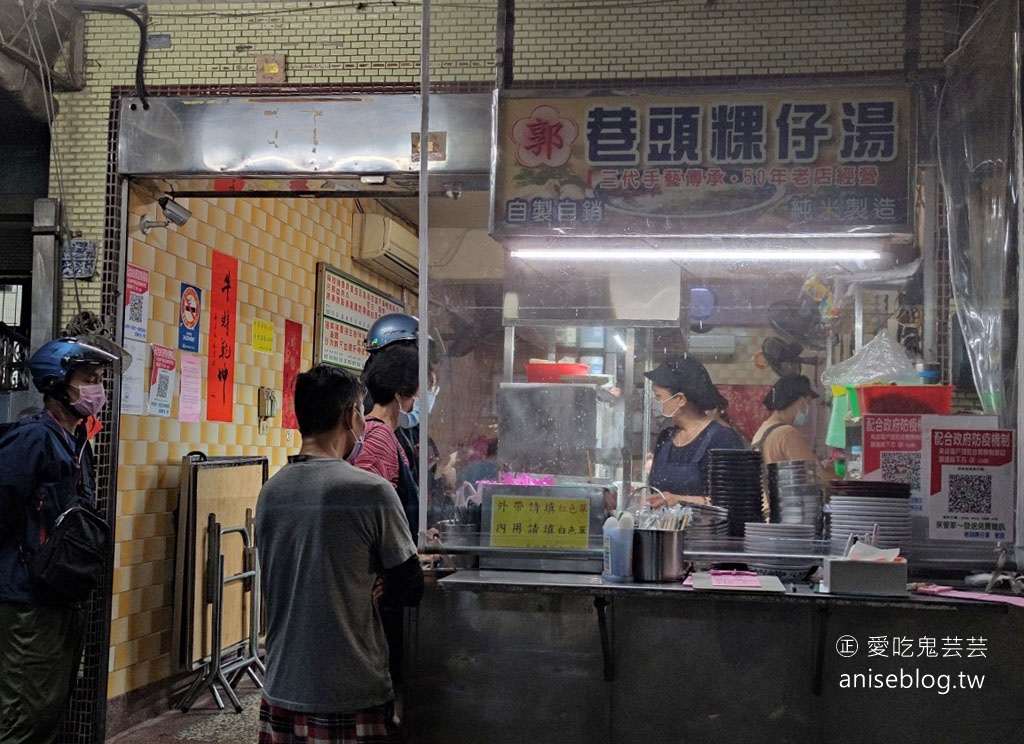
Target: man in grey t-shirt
{"type": "Point", "coordinates": [326, 532]}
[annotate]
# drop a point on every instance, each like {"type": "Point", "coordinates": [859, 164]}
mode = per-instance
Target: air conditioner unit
{"type": "Point", "coordinates": [390, 249]}
{"type": "Point", "coordinates": [706, 345]}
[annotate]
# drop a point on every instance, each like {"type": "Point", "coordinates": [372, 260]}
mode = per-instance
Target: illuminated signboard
{"type": "Point", "coordinates": [736, 162]}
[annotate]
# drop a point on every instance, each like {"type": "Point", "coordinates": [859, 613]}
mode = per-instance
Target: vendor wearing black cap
{"type": "Point", "coordinates": [683, 391]}
{"type": "Point", "coordinates": [779, 437]}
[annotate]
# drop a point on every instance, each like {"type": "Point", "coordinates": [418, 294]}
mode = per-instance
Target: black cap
{"type": "Point", "coordinates": [787, 391]}
{"type": "Point", "coordinates": [684, 374]}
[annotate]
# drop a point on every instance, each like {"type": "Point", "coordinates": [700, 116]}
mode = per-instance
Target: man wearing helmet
{"type": "Point", "coordinates": [45, 461]}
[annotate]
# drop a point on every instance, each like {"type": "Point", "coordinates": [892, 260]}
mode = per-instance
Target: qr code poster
{"type": "Point", "coordinates": [892, 444]}
{"type": "Point", "coordinates": [161, 381]}
{"type": "Point", "coordinates": [136, 303]}
{"type": "Point", "coordinates": [894, 451]}
{"type": "Point", "coordinates": [971, 487]}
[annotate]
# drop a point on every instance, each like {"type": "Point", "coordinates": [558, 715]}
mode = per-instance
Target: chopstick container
{"type": "Point", "coordinates": [658, 555]}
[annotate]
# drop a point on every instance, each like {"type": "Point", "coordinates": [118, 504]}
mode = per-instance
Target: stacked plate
{"type": "Point", "coordinates": [857, 506]}
{"type": "Point", "coordinates": [734, 482]}
{"type": "Point", "coordinates": [790, 539]}
{"type": "Point", "coordinates": [794, 493]}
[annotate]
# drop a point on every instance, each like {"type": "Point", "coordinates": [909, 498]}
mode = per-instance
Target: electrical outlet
{"type": "Point", "coordinates": [270, 68]}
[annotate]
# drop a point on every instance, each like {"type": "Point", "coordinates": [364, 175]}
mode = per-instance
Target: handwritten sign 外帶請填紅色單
{"type": "Point", "coordinates": [537, 522]}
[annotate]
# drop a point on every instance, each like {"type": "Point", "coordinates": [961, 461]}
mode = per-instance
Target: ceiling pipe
{"type": "Point", "coordinates": [25, 89]}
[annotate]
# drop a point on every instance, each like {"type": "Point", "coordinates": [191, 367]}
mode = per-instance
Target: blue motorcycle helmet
{"type": "Point", "coordinates": [55, 361]}
{"type": "Point", "coordinates": [390, 328]}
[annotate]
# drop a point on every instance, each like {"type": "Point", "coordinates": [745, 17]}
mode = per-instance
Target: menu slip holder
{"type": "Point", "coordinates": [742, 581]}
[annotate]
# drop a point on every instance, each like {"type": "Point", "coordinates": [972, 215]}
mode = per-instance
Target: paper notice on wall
{"type": "Point", "coordinates": [133, 381]}
{"type": "Point", "coordinates": [971, 490]}
{"type": "Point", "coordinates": [191, 394]}
{"type": "Point", "coordinates": [220, 363]}
{"type": "Point", "coordinates": [263, 336]}
{"type": "Point", "coordinates": [894, 447]}
{"type": "Point", "coordinates": [292, 367]}
{"type": "Point", "coordinates": [136, 302]}
{"type": "Point", "coordinates": [161, 381]}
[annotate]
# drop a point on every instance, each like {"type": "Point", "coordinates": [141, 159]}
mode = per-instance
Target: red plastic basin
{"type": "Point", "coordinates": [536, 372]}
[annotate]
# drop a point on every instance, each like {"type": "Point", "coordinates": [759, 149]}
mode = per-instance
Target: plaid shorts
{"type": "Point", "coordinates": [368, 726]}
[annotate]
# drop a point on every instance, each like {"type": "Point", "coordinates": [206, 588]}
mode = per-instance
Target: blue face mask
{"type": "Point", "coordinates": [801, 417]}
{"type": "Point", "coordinates": [411, 419]}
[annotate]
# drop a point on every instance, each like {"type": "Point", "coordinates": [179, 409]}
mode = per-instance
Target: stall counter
{"type": "Point", "coordinates": [516, 656]}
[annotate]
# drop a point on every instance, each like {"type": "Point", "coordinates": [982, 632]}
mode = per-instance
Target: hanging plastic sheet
{"type": "Point", "coordinates": [979, 122]}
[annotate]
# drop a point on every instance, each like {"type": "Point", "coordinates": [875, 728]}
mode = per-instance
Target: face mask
{"type": "Point", "coordinates": [91, 399]}
{"type": "Point", "coordinates": [356, 449]}
{"type": "Point", "coordinates": [411, 419]}
{"type": "Point", "coordinates": [659, 407]}
{"type": "Point", "coordinates": [801, 417]}
{"type": "Point", "coordinates": [656, 407]}
{"type": "Point", "coordinates": [358, 446]}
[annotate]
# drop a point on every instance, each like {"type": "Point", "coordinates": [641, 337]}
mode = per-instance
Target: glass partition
{"type": "Point", "coordinates": [777, 275]}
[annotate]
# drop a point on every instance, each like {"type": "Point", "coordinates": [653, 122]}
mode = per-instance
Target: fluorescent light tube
{"type": "Point", "coordinates": [696, 254]}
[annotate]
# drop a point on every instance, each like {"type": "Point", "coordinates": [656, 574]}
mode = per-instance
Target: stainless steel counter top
{"type": "Point", "coordinates": [530, 582]}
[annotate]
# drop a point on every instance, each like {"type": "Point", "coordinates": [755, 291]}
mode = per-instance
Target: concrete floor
{"type": "Point", "coordinates": [204, 722]}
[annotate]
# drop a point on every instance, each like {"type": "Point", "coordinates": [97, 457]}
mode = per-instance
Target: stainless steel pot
{"type": "Point", "coordinates": [658, 555]}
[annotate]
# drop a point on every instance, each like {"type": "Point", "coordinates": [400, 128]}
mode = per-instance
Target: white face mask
{"type": "Point", "coordinates": [358, 446]}
{"type": "Point", "coordinates": [659, 406]}
{"type": "Point", "coordinates": [801, 416]}
{"type": "Point", "coordinates": [356, 449]}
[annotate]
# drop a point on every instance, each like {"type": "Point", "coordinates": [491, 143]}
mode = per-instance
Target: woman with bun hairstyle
{"type": "Point", "coordinates": [779, 438]}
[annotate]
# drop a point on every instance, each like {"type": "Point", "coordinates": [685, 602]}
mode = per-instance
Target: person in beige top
{"type": "Point", "coordinates": [779, 438]}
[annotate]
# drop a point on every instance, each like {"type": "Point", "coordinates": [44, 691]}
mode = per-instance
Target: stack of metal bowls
{"type": "Point", "coordinates": [794, 493]}
{"type": "Point", "coordinates": [707, 522]}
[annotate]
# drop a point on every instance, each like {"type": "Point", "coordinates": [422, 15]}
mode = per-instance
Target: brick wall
{"type": "Point", "coordinates": [716, 40]}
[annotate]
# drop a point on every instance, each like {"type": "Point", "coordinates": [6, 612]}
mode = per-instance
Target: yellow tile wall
{"type": "Point", "coordinates": [739, 369]}
{"type": "Point", "coordinates": [273, 273]}
{"type": "Point", "coordinates": [328, 42]}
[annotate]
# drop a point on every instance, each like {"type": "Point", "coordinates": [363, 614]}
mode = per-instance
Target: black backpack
{"type": "Point", "coordinates": [72, 560]}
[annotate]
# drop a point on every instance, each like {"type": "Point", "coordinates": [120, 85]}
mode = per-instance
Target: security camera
{"type": "Point", "coordinates": [173, 211]}
{"type": "Point", "coordinates": [176, 213]}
